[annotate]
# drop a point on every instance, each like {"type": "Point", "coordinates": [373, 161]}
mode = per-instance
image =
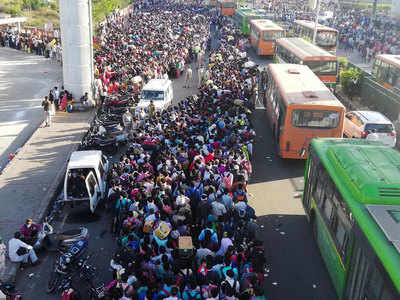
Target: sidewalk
{"type": "Point", "coordinates": [30, 180]}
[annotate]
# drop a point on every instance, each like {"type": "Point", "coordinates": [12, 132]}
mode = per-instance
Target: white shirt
{"type": "Point", "coordinates": [13, 246]}
{"type": "Point", "coordinates": [373, 136]}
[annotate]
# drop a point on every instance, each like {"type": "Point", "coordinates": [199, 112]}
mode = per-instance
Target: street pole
{"type": "Point", "coordinates": [316, 20]}
{"type": "Point", "coordinates": [374, 10]}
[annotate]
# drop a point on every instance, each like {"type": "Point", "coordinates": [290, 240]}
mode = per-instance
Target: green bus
{"type": "Point", "coordinates": [242, 18]}
{"type": "Point", "coordinates": [352, 199]}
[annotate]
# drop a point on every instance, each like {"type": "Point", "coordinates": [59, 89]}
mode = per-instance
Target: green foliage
{"type": "Point", "coordinates": [350, 81]}
{"type": "Point", "coordinates": [101, 8]}
{"type": "Point", "coordinates": [54, 5]}
{"type": "Point", "coordinates": [14, 10]}
{"type": "Point", "coordinates": [343, 63]}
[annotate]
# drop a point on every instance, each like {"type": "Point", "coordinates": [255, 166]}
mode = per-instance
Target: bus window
{"type": "Point", "coordinates": [322, 67]}
{"type": "Point", "coordinates": [394, 76]}
{"type": "Point", "coordinates": [383, 71]}
{"type": "Point", "coordinates": [323, 119]}
{"type": "Point", "coordinates": [271, 36]}
{"type": "Point", "coordinates": [376, 67]}
{"type": "Point", "coordinates": [326, 39]}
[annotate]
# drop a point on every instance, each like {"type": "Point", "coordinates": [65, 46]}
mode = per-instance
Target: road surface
{"type": "Point", "coordinates": [24, 81]}
{"type": "Point", "coordinates": [294, 265]}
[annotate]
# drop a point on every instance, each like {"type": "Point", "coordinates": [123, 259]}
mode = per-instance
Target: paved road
{"type": "Point", "coordinates": [294, 263]}
{"type": "Point", "coordinates": [295, 268]}
{"type": "Point", "coordinates": [24, 81]}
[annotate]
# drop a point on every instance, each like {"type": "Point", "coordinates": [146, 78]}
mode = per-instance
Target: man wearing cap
{"type": "Point", "coordinates": [29, 231]}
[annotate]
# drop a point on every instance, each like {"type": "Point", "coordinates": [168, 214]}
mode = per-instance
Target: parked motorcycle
{"type": "Point", "coordinates": [88, 274]}
{"type": "Point", "coordinates": [64, 240]}
{"type": "Point", "coordinates": [65, 266]}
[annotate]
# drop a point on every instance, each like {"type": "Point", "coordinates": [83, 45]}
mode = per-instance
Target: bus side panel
{"type": "Point", "coordinates": [331, 257]}
{"type": "Point", "coordinates": [327, 78]}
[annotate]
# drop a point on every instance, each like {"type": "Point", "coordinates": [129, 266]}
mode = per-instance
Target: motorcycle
{"type": "Point", "coordinates": [8, 292]}
{"type": "Point", "coordinates": [88, 273]}
{"type": "Point", "coordinates": [64, 240]}
{"type": "Point", "coordinates": [65, 266]}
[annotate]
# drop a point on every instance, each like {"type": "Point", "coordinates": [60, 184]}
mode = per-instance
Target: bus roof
{"type": "Point", "coordinates": [390, 59]}
{"type": "Point", "coordinates": [299, 85]}
{"type": "Point", "coordinates": [367, 175]}
{"type": "Point", "coordinates": [311, 25]}
{"type": "Point", "coordinates": [304, 49]}
{"type": "Point", "coordinates": [264, 24]}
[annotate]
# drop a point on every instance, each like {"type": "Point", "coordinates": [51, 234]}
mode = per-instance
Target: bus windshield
{"type": "Point", "coordinates": [228, 5]}
{"type": "Point", "coordinates": [153, 95]}
{"type": "Point", "coordinates": [323, 119]}
{"type": "Point", "coordinates": [322, 67]}
{"type": "Point", "coordinates": [327, 39]}
{"type": "Point", "coordinates": [271, 35]}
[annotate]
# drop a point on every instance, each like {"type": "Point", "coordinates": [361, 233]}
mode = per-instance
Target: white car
{"type": "Point", "coordinates": [359, 124]}
{"type": "Point", "coordinates": [158, 90]}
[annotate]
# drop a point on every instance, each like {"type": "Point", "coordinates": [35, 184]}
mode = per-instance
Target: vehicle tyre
{"type": "Point", "coordinates": [53, 283]}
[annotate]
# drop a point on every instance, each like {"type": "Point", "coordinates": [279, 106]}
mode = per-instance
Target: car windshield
{"type": "Point", "coordinates": [326, 38]}
{"type": "Point", "coordinates": [153, 95]}
{"type": "Point", "coordinates": [322, 119]}
{"type": "Point", "coordinates": [380, 128]}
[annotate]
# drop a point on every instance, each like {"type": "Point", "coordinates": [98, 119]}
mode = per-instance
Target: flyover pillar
{"type": "Point", "coordinates": [77, 46]}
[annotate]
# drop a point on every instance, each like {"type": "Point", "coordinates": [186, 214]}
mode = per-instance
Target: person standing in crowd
{"type": "Point", "coordinates": [188, 76]}
{"type": "Point", "coordinates": [46, 108]}
{"type": "Point", "coordinates": [200, 73]}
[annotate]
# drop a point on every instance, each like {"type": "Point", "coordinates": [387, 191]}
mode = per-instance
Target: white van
{"type": "Point", "coordinates": [86, 177]}
{"type": "Point", "coordinates": [158, 90]}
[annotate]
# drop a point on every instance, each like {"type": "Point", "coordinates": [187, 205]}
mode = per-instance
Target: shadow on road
{"type": "Point", "coordinates": [296, 269]}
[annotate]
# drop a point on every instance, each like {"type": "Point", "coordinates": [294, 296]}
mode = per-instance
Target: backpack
{"type": "Point", "coordinates": [148, 226]}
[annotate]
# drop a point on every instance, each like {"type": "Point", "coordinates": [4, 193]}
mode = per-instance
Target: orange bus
{"type": "Point", "coordinates": [300, 107]}
{"type": "Point", "coordinates": [386, 70]}
{"type": "Point", "coordinates": [299, 51]}
{"type": "Point", "coordinates": [327, 38]}
{"type": "Point", "coordinates": [226, 7]}
{"type": "Point", "coordinates": [263, 34]}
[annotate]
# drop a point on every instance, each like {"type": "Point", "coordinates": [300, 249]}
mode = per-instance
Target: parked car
{"type": "Point", "coordinates": [86, 178]}
{"type": "Point", "coordinates": [358, 124]}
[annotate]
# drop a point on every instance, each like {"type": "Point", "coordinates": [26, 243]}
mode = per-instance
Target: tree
{"type": "Point", "coordinates": [350, 81]}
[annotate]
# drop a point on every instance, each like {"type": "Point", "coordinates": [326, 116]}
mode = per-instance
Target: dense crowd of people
{"type": "Point", "coordinates": [358, 30]}
{"type": "Point", "coordinates": [159, 45]}
{"type": "Point", "coordinates": [32, 43]}
{"type": "Point", "coordinates": [179, 193]}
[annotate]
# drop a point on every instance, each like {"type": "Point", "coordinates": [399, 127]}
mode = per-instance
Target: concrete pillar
{"type": "Point", "coordinates": [19, 27]}
{"type": "Point", "coordinates": [77, 47]}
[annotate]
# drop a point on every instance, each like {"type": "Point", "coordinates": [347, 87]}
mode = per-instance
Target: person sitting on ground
{"type": "Point", "coordinates": [19, 251]}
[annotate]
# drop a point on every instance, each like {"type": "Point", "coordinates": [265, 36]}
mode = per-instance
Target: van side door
{"type": "Point", "coordinates": [93, 190]}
